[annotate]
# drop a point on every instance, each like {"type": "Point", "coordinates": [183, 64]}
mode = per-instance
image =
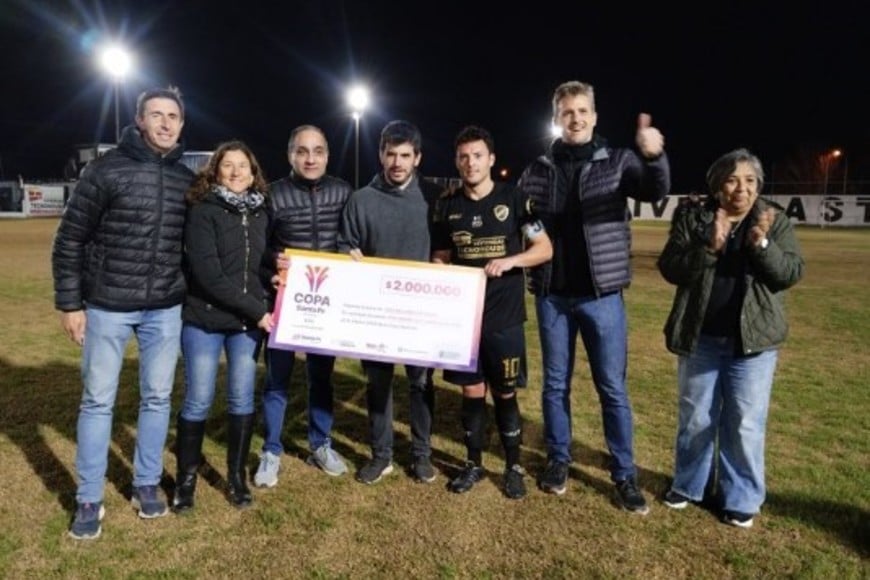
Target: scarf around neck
{"type": "Point", "coordinates": [246, 202]}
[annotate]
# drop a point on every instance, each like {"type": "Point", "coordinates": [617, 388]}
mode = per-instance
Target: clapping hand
{"type": "Point", "coordinates": [759, 230]}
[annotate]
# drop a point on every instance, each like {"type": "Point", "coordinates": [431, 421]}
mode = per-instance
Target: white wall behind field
{"type": "Point", "coordinates": [47, 199]}
{"type": "Point", "coordinates": [818, 210]}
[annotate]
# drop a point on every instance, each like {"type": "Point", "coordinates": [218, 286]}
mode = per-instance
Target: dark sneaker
{"type": "Point", "coordinates": [630, 498]}
{"type": "Point", "coordinates": [147, 500]}
{"type": "Point", "coordinates": [374, 470]}
{"type": "Point", "coordinates": [423, 470]}
{"type": "Point", "coordinates": [514, 486]}
{"type": "Point", "coordinates": [470, 474]}
{"type": "Point", "coordinates": [555, 477]}
{"type": "Point", "coordinates": [739, 519]}
{"type": "Point", "coordinates": [86, 525]}
{"type": "Point", "coordinates": [675, 501]}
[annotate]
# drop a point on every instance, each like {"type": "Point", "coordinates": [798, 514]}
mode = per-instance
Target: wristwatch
{"type": "Point", "coordinates": [764, 243]}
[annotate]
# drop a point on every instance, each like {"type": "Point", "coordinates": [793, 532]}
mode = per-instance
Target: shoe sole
{"type": "Point", "coordinates": [425, 479]}
{"type": "Point", "coordinates": [452, 489]}
{"type": "Point", "coordinates": [312, 460]}
{"type": "Point", "coordinates": [96, 534]}
{"type": "Point", "coordinates": [270, 483]}
{"type": "Point", "coordinates": [639, 511]}
{"type": "Point", "coordinates": [738, 524]}
{"type": "Point", "coordinates": [387, 470]}
{"type": "Point", "coordinates": [676, 505]}
{"type": "Point", "coordinates": [553, 490]}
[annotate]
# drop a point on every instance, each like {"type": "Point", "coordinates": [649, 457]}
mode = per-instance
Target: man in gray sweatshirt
{"type": "Point", "coordinates": [388, 218]}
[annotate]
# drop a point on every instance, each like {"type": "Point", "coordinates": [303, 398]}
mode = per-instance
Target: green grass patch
{"type": "Point", "coordinates": [813, 525]}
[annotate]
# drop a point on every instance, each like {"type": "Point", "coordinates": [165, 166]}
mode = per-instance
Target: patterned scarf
{"type": "Point", "coordinates": [245, 202]}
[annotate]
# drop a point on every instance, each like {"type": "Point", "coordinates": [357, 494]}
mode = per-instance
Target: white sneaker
{"type": "Point", "coordinates": [328, 460]}
{"type": "Point", "coordinates": [267, 473]}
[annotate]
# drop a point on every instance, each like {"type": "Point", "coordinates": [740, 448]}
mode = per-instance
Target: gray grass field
{"type": "Point", "coordinates": [815, 524]}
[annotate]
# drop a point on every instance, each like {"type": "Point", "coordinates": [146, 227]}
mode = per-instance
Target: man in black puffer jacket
{"type": "Point", "coordinates": [306, 210]}
{"type": "Point", "coordinates": [116, 263]}
{"type": "Point", "coordinates": [579, 190]}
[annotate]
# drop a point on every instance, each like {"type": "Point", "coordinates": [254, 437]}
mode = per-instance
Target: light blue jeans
{"type": "Point", "coordinates": [603, 328]}
{"type": "Point", "coordinates": [276, 393]}
{"type": "Point", "coordinates": [202, 354]}
{"type": "Point", "coordinates": [106, 336]}
{"type": "Point", "coordinates": [726, 397]}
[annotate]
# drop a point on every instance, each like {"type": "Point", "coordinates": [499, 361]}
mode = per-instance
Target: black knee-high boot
{"type": "Point", "coordinates": [188, 452]}
{"type": "Point", "coordinates": [241, 428]}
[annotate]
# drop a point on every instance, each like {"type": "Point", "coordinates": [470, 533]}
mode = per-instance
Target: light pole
{"type": "Point", "coordinates": [845, 172]}
{"type": "Point", "coordinates": [826, 162]}
{"type": "Point", "coordinates": [358, 100]}
{"type": "Point", "coordinates": [116, 61]}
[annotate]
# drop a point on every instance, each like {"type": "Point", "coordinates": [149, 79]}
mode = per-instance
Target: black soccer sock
{"type": "Point", "coordinates": [474, 423]}
{"type": "Point", "coordinates": [510, 430]}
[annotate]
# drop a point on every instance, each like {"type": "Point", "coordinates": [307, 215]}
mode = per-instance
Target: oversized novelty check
{"type": "Point", "coordinates": [377, 309]}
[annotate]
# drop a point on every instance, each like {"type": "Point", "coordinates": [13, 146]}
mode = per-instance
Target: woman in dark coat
{"type": "Point", "coordinates": [225, 311]}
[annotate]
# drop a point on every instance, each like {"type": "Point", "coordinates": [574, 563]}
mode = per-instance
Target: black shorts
{"type": "Point", "coordinates": [501, 362]}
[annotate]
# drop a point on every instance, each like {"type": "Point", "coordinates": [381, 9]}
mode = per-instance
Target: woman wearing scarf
{"type": "Point", "coordinates": [225, 311]}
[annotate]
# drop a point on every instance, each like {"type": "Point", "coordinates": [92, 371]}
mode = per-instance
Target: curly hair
{"type": "Point", "coordinates": [207, 177]}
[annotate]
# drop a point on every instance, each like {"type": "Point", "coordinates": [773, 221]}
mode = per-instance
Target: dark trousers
{"type": "Point", "coordinates": [379, 397]}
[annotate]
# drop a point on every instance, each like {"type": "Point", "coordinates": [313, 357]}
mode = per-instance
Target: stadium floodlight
{"type": "Point", "coordinates": [357, 100]}
{"type": "Point", "coordinates": [116, 62]}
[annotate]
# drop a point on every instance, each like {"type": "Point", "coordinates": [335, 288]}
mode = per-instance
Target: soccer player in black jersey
{"type": "Point", "coordinates": [490, 225]}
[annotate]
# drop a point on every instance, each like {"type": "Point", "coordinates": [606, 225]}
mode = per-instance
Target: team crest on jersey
{"type": "Point", "coordinates": [477, 221]}
{"type": "Point", "coordinates": [501, 212]}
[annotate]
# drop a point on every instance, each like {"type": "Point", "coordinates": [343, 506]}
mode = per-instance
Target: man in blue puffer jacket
{"type": "Point", "coordinates": [579, 189]}
{"type": "Point", "coordinates": [116, 263]}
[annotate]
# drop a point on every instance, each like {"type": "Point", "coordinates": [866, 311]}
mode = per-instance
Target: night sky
{"type": "Point", "coordinates": [786, 82]}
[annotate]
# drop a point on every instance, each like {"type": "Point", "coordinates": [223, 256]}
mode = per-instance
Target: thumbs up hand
{"type": "Point", "coordinates": [649, 140]}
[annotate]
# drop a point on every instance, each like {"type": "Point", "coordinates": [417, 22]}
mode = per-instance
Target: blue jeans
{"type": "Point", "coordinates": [202, 353]}
{"type": "Point", "coordinates": [602, 325]}
{"type": "Point", "coordinates": [279, 368]}
{"type": "Point", "coordinates": [106, 336]}
{"type": "Point", "coordinates": [726, 397]}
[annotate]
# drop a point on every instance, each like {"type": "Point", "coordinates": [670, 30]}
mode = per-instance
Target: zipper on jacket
{"type": "Point", "coordinates": [155, 247]}
{"type": "Point", "coordinates": [247, 261]}
{"type": "Point", "coordinates": [247, 252]}
{"type": "Point", "coordinates": [315, 231]}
